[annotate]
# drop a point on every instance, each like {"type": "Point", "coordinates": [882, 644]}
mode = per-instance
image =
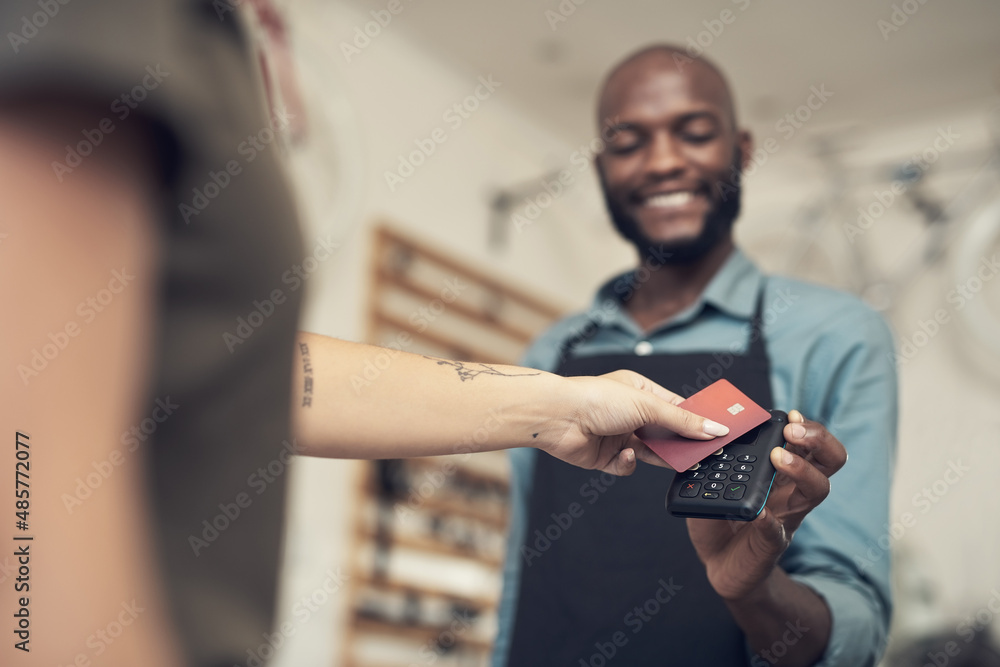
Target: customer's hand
{"type": "Point", "coordinates": [605, 412]}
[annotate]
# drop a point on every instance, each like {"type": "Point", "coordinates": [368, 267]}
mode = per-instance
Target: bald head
{"type": "Point", "coordinates": [672, 148]}
{"type": "Point", "coordinates": [641, 68]}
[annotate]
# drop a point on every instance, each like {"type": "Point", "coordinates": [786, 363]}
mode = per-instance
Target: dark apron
{"type": "Point", "coordinates": [613, 579]}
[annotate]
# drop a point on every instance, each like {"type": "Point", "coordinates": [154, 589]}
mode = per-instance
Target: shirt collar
{"type": "Point", "coordinates": [732, 290]}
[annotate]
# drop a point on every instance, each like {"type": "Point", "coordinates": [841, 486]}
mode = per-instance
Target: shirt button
{"type": "Point", "coordinates": [644, 348]}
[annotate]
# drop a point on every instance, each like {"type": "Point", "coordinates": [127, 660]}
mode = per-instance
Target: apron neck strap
{"type": "Point", "coordinates": [591, 325]}
{"type": "Point", "coordinates": [756, 345]}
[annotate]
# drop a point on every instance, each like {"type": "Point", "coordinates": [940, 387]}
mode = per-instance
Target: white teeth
{"type": "Point", "coordinates": [672, 200]}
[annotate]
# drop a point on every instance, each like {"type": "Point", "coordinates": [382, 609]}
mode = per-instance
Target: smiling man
{"type": "Point", "coordinates": [597, 571]}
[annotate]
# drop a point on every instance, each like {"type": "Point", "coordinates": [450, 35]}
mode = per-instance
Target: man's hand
{"type": "Point", "coordinates": [739, 557]}
{"type": "Point", "coordinates": [609, 410]}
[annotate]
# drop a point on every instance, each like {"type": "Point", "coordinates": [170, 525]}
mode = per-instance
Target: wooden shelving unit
{"type": "Point", "coordinates": [429, 534]}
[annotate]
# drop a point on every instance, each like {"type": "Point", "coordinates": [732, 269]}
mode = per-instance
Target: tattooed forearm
{"type": "Point", "coordinates": [307, 374]}
{"type": "Point", "coordinates": [470, 371]}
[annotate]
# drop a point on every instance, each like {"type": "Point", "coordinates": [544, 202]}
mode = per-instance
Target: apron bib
{"type": "Point", "coordinates": [608, 577]}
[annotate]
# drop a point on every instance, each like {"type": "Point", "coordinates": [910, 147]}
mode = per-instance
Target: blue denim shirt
{"type": "Point", "coordinates": [832, 359]}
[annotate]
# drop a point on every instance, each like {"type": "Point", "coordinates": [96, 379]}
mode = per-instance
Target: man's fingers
{"type": "Point", "coordinates": [809, 481]}
{"type": "Point", "coordinates": [768, 540]}
{"type": "Point", "coordinates": [812, 441]}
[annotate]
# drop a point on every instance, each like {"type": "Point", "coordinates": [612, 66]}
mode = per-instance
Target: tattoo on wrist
{"type": "Point", "coordinates": [307, 373]}
{"type": "Point", "coordinates": [470, 371]}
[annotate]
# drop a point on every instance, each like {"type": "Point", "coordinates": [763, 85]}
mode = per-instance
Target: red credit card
{"type": "Point", "coordinates": [719, 401]}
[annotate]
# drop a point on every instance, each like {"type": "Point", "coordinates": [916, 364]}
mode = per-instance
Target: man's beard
{"type": "Point", "coordinates": [718, 223]}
